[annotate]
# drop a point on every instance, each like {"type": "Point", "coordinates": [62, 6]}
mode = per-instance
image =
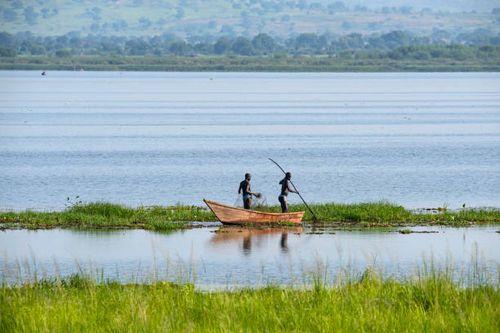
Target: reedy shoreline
{"type": "Point", "coordinates": [431, 303]}
{"type": "Point", "coordinates": [287, 63]}
{"type": "Point", "coordinates": [363, 215]}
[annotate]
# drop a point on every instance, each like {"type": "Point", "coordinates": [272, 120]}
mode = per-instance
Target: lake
{"type": "Point", "coordinates": [215, 257]}
{"type": "Point", "coordinates": [416, 139]}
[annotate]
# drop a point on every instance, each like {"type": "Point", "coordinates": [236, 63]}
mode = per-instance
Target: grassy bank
{"type": "Point", "coordinates": [245, 64]}
{"type": "Point", "coordinates": [107, 215]}
{"type": "Point", "coordinates": [381, 214]}
{"type": "Point", "coordinates": [433, 304]}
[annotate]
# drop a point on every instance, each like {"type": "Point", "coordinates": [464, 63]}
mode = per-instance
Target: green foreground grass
{"type": "Point", "coordinates": [432, 304]}
{"type": "Point", "coordinates": [107, 215]}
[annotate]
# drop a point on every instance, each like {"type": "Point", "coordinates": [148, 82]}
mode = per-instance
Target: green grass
{"type": "Point", "coordinates": [379, 214]}
{"type": "Point", "coordinates": [246, 64]}
{"type": "Point", "coordinates": [107, 215]}
{"type": "Point", "coordinates": [368, 304]}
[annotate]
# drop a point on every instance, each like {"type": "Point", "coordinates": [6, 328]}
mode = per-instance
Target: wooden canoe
{"type": "Point", "coordinates": [232, 215]}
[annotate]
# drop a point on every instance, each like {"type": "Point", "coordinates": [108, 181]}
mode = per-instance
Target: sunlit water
{"type": "Point", "coordinates": [213, 257]}
{"type": "Point", "coordinates": [418, 139]}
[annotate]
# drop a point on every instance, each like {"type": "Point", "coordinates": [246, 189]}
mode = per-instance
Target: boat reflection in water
{"type": "Point", "coordinates": [251, 237]}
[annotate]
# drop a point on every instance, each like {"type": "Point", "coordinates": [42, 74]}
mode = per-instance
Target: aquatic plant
{"type": "Point", "coordinates": [108, 215]}
{"type": "Point", "coordinates": [365, 304]}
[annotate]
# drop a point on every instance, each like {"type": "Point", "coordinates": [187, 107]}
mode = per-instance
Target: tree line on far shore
{"type": "Point", "coordinates": [393, 45]}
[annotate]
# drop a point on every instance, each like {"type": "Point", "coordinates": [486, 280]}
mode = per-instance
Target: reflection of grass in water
{"type": "Point", "coordinates": [429, 301]}
{"type": "Point", "coordinates": [107, 215]}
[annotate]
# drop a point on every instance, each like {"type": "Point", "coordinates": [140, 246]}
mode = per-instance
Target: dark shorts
{"type": "Point", "coordinates": [283, 203]}
{"type": "Point", "coordinates": [247, 201]}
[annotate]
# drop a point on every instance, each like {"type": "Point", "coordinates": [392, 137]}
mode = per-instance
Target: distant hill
{"type": "Point", "coordinates": [282, 18]}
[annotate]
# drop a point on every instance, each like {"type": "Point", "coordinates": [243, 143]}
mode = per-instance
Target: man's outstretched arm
{"type": "Point", "coordinates": [291, 188]}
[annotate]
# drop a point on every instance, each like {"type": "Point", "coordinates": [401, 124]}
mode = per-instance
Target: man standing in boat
{"type": "Point", "coordinates": [286, 187]}
{"type": "Point", "coordinates": [247, 193]}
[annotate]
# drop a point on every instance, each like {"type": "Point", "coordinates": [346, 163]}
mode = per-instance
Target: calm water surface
{"type": "Point", "coordinates": [160, 138]}
{"type": "Point", "coordinates": [218, 257]}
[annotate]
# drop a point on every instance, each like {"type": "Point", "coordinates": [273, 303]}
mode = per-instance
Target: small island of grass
{"type": "Point", "coordinates": [102, 215]}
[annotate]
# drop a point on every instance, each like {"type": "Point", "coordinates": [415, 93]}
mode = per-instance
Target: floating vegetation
{"type": "Point", "coordinates": [409, 231]}
{"type": "Point", "coordinates": [362, 215]}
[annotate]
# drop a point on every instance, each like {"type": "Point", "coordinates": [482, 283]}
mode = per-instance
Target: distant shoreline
{"type": "Point", "coordinates": [314, 64]}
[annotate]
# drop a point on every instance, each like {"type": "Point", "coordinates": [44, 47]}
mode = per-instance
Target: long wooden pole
{"type": "Point", "coordinates": [315, 219]}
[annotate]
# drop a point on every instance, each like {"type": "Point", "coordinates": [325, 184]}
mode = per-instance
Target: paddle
{"type": "Point", "coordinates": [315, 219]}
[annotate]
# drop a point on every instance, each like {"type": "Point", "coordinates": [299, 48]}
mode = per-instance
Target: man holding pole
{"type": "Point", "coordinates": [286, 188]}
